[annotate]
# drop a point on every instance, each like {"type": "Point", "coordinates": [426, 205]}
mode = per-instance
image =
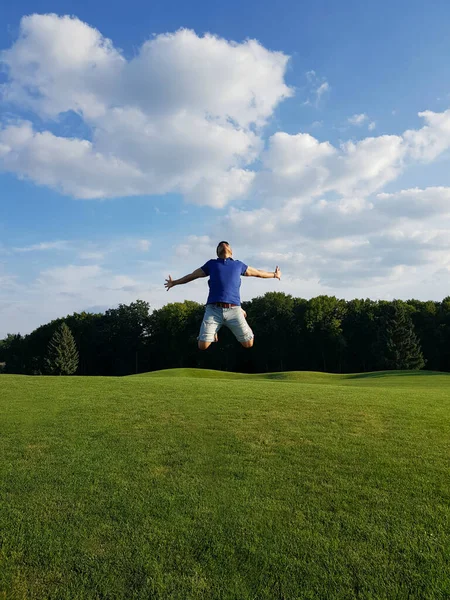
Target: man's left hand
{"type": "Point", "coordinates": [169, 283]}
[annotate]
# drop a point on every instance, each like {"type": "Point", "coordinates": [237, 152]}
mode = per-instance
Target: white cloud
{"type": "Point", "coordinates": [86, 249]}
{"type": "Point", "coordinates": [193, 245]}
{"type": "Point", "coordinates": [69, 278]}
{"type": "Point", "coordinates": [381, 243]}
{"type": "Point", "coordinates": [170, 120]}
{"type": "Point", "coordinates": [431, 140]}
{"type": "Point", "coordinates": [58, 291]}
{"type": "Point", "coordinates": [415, 203]}
{"type": "Point", "coordinates": [367, 165]}
{"type": "Point", "coordinates": [292, 155]}
{"type": "Point", "coordinates": [69, 165]}
{"type": "Point", "coordinates": [300, 167]}
{"type": "Point", "coordinates": [60, 64]}
{"type": "Point", "coordinates": [167, 120]}
{"type": "Point", "coordinates": [322, 89]}
{"type": "Point", "coordinates": [358, 119]}
{"type": "Point", "coordinates": [317, 87]}
{"type": "Point", "coordinates": [43, 246]}
{"type": "Point", "coordinates": [216, 189]}
{"type": "Point", "coordinates": [7, 281]}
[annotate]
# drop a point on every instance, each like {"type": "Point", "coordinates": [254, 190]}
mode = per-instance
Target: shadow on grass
{"type": "Point", "coordinates": [376, 374]}
{"type": "Point", "coordinates": [274, 375]}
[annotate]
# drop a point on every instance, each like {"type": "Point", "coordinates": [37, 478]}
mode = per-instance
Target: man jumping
{"type": "Point", "coordinates": [223, 306]}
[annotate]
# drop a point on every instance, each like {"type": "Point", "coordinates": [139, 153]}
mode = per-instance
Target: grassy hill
{"type": "Point", "coordinates": [198, 484]}
{"type": "Point", "coordinates": [389, 378]}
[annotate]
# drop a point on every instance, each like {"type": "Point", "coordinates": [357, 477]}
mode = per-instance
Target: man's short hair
{"type": "Point", "coordinates": [223, 242]}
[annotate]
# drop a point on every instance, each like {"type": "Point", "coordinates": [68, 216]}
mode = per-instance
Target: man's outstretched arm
{"type": "Point", "coordinates": [251, 272]}
{"type": "Point", "coordinates": [186, 279]}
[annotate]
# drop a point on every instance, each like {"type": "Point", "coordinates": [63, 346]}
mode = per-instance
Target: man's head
{"type": "Point", "coordinates": [224, 250]}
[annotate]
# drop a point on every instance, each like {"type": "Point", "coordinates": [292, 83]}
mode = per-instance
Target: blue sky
{"type": "Point", "coordinates": [305, 148]}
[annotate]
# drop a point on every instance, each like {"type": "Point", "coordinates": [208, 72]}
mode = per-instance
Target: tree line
{"type": "Point", "coordinates": [321, 334]}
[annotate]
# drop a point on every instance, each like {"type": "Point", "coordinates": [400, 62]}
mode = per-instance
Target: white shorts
{"type": "Point", "coordinates": [233, 318]}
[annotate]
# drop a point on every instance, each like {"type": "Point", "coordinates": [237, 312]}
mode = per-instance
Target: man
{"type": "Point", "coordinates": [223, 306]}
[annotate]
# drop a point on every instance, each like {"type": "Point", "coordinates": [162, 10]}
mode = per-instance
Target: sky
{"type": "Point", "coordinates": [135, 136]}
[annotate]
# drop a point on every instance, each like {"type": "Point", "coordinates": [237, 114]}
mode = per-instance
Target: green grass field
{"type": "Point", "coordinates": [188, 484]}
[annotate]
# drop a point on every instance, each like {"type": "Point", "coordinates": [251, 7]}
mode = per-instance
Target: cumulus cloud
{"type": "Point", "coordinates": [351, 243]}
{"type": "Point", "coordinates": [181, 115]}
{"type": "Point", "coordinates": [69, 279]}
{"type": "Point", "coordinates": [431, 140]}
{"type": "Point", "coordinates": [168, 120]}
{"type": "Point", "coordinates": [415, 203]}
{"type": "Point", "coordinates": [186, 115]}
{"type": "Point", "coordinates": [299, 166]}
{"type": "Point", "coordinates": [200, 244]}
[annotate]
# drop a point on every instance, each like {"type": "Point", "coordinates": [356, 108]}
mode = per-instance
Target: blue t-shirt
{"type": "Point", "coordinates": [224, 279]}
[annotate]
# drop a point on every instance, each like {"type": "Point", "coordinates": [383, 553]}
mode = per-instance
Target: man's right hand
{"type": "Point", "coordinates": [169, 283]}
{"type": "Point", "coordinates": [277, 272]}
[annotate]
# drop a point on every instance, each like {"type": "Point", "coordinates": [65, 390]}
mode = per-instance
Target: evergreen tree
{"type": "Point", "coordinates": [62, 355]}
{"type": "Point", "coordinates": [401, 345]}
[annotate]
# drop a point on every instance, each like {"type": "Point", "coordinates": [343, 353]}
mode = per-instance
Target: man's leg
{"type": "Point", "coordinates": [248, 344]}
{"type": "Point", "coordinates": [203, 345]}
{"type": "Point", "coordinates": [216, 337]}
{"type": "Point", "coordinates": [212, 322]}
{"type": "Point", "coordinates": [234, 319]}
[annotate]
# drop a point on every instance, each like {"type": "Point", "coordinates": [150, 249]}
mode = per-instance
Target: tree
{"type": "Point", "coordinates": [399, 344]}
{"type": "Point", "coordinates": [173, 331]}
{"type": "Point", "coordinates": [11, 353]}
{"type": "Point", "coordinates": [360, 333]}
{"type": "Point", "coordinates": [272, 321]}
{"type": "Point", "coordinates": [322, 333]}
{"type": "Point", "coordinates": [124, 331]}
{"type": "Point", "coordinates": [443, 334]}
{"type": "Point", "coordinates": [323, 320]}
{"type": "Point", "coordinates": [425, 317]}
{"type": "Point", "coordinates": [62, 357]}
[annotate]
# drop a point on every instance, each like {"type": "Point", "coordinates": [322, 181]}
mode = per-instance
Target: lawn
{"type": "Point", "coordinates": [189, 484]}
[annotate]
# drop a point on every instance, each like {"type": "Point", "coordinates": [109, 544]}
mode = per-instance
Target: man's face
{"type": "Point", "coordinates": [224, 250]}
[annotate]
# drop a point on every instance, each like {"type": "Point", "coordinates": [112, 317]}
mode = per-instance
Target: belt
{"type": "Point", "coordinates": [225, 304]}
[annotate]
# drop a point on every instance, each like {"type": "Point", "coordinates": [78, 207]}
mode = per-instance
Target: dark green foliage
{"type": "Point", "coordinates": [360, 327]}
{"type": "Point", "coordinates": [173, 331]}
{"type": "Point", "coordinates": [62, 355]}
{"type": "Point", "coordinates": [323, 320]}
{"type": "Point", "coordinates": [12, 351]}
{"type": "Point", "coordinates": [272, 319]}
{"type": "Point", "coordinates": [291, 334]}
{"type": "Point", "coordinates": [399, 346]}
{"type": "Point", "coordinates": [123, 335]}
